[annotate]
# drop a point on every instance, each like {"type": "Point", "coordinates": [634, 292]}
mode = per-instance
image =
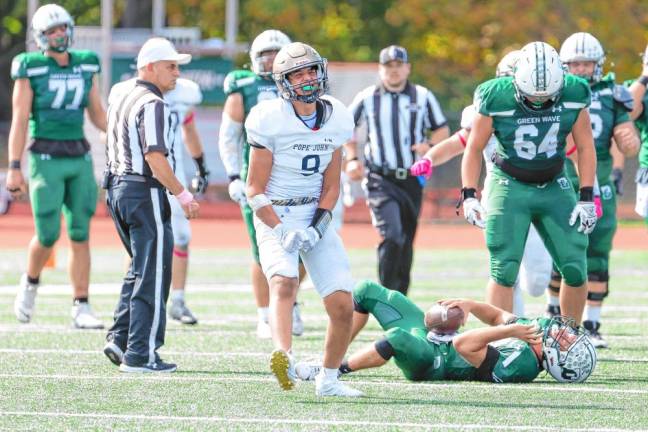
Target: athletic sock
{"type": "Point", "coordinates": [593, 313]}
{"type": "Point", "coordinates": [330, 373]}
{"type": "Point", "coordinates": [263, 313]}
{"type": "Point", "coordinates": [177, 295]}
{"type": "Point", "coordinates": [553, 300]}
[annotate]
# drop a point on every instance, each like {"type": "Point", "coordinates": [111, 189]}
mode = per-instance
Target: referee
{"type": "Point", "coordinates": [137, 176]}
{"type": "Point", "coordinates": [399, 116]}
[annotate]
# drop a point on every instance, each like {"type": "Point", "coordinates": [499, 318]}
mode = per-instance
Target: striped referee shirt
{"type": "Point", "coordinates": [138, 123]}
{"type": "Point", "coordinates": [396, 121]}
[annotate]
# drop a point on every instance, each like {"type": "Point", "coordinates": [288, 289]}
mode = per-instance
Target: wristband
{"type": "Point", "coordinates": [185, 197]}
{"type": "Point", "coordinates": [468, 193]}
{"type": "Point", "coordinates": [461, 138]}
{"type": "Point", "coordinates": [354, 158]}
{"type": "Point", "coordinates": [200, 163]}
{"type": "Point", "coordinates": [643, 80]}
{"type": "Point", "coordinates": [587, 194]}
{"type": "Point", "coordinates": [234, 177]}
{"type": "Point", "coordinates": [14, 164]}
{"type": "Point", "coordinates": [258, 201]}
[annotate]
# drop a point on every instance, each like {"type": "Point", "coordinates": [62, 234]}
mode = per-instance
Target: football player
{"type": "Point", "coordinates": [531, 114]}
{"type": "Point", "coordinates": [54, 87]}
{"type": "Point", "coordinates": [510, 350]}
{"type": "Point", "coordinates": [583, 56]}
{"type": "Point", "coordinates": [181, 100]}
{"type": "Point", "coordinates": [293, 184]}
{"type": "Point", "coordinates": [536, 261]}
{"type": "Point", "coordinates": [244, 89]}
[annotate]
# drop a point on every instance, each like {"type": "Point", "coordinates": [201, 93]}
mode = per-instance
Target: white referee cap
{"type": "Point", "coordinates": [158, 49]}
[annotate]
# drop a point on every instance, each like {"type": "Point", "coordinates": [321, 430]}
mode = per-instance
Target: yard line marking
{"type": "Point", "coordinates": [210, 419]}
{"type": "Point", "coordinates": [364, 383]}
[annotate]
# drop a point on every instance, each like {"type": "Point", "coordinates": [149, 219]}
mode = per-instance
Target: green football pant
{"type": "Point", "coordinates": [513, 206]}
{"type": "Point", "coordinates": [404, 327]}
{"type": "Point", "coordinates": [248, 218]}
{"type": "Point", "coordinates": [57, 183]}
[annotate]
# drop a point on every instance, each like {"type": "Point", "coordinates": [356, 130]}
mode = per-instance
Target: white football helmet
{"type": "Point", "coordinates": [568, 353]}
{"type": "Point", "coordinates": [506, 66]}
{"type": "Point", "coordinates": [538, 77]}
{"type": "Point", "coordinates": [269, 40]}
{"type": "Point", "coordinates": [584, 47]}
{"type": "Point", "coordinates": [46, 17]}
{"type": "Point", "coordinates": [294, 57]}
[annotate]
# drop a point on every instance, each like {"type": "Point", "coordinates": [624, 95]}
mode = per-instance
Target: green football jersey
{"type": "Point", "coordinates": [60, 93]}
{"type": "Point", "coordinates": [253, 89]}
{"type": "Point", "coordinates": [605, 115]}
{"type": "Point", "coordinates": [642, 126]}
{"type": "Point", "coordinates": [528, 139]}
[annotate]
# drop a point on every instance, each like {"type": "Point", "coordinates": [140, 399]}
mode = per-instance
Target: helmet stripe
{"type": "Point", "coordinates": [541, 70]}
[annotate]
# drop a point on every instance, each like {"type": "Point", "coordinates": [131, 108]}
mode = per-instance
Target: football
{"type": "Point", "coordinates": [442, 320]}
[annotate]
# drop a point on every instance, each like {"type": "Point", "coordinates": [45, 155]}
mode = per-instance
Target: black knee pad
{"type": "Point", "coordinates": [384, 349]}
{"type": "Point", "coordinates": [599, 276]}
{"type": "Point", "coordinates": [358, 308]}
{"type": "Point", "coordinates": [598, 296]}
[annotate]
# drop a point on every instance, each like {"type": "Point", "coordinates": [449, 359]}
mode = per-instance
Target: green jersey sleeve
{"type": "Point", "coordinates": [576, 93]}
{"type": "Point", "coordinates": [19, 66]}
{"type": "Point", "coordinates": [236, 80]}
{"type": "Point", "coordinates": [87, 60]}
{"type": "Point", "coordinates": [492, 97]}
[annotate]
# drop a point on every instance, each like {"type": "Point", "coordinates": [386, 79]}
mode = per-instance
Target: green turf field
{"type": "Point", "coordinates": [53, 377]}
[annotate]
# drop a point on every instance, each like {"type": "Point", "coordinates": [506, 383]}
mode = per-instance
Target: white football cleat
{"type": "Point", "coordinates": [83, 318]}
{"type": "Point", "coordinates": [282, 366]}
{"type": "Point", "coordinates": [263, 330]}
{"type": "Point", "coordinates": [297, 323]}
{"type": "Point", "coordinates": [307, 371]}
{"type": "Point", "coordinates": [25, 299]}
{"type": "Point", "coordinates": [334, 387]}
{"type": "Point", "coordinates": [180, 312]}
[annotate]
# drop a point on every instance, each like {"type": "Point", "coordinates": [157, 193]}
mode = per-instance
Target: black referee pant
{"type": "Point", "coordinates": [395, 206]}
{"type": "Point", "coordinates": [142, 214]}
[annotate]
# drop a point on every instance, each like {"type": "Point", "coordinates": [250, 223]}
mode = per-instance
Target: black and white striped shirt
{"type": "Point", "coordinates": [395, 122]}
{"type": "Point", "coordinates": [138, 123]}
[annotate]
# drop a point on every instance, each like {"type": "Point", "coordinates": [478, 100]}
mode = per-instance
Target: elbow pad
{"type": "Point", "coordinates": [230, 143]}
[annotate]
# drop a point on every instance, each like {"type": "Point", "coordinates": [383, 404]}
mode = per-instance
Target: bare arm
{"type": "Point", "coordinates": [353, 168]}
{"type": "Point", "coordinates": [163, 172]}
{"type": "Point", "coordinates": [96, 111]}
{"type": "Point", "coordinates": [486, 313]}
{"type": "Point", "coordinates": [618, 160]}
{"type": "Point", "coordinates": [258, 176]}
{"type": "Point", "coordinates": [638, 91]}
{"type": "Point", "coordinates": [446, 149]}
{"type": "Point", "coordinates": [331, 182]}
{"type": "Point", "coordinates": [192, 139]}
{"type": "Point", "coordinates": [439, 135]}
{"type": "Point", "coordinates": [626, 139]}
{"type": "Point", "coordinates": [582, 134]}
{"type": "Point", "coordinates": [472, 159]}
{"type": "Point", "coordinates": [21, 106]}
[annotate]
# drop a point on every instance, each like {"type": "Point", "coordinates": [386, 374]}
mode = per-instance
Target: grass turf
{"type": "Point", "coordinates": [53, 377]}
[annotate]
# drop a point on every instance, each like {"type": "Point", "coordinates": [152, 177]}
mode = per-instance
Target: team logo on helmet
{"type": "Point", "coordinates": [584, 47]}
{"type": "Point", "coordinates": [568, 353]}
{"type": "Point", "coordinates": [294, 57]}
{"type": "Point", "coordinates": [506, 66]}
{"type": "Point", "coordinates": [47, 17]}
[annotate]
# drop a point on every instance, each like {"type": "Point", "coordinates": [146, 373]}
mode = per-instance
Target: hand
{"type": "Point", "coordinates": [598, 205]}
{"type": "Point", "coordinates": [15, 183]}
{"type": "Point", "coordinates": [310, 237]}
{"type": "Point", "coordinates": [191, 209]}
{"type": "Point", "coordinates": [617, 179]}
{"type": "Point", "coordinates": [291, 240]}
{"type": "Point", "coordinates": [586, 211]}
{"type": "Point", "coordinates": [354, 170]}
{"type": "Point", "coordinates": [529, 333]}
{"type": "Point", "coordinates": [421, 148]}
{"type": "Point", "coordinates": [199, 183]}
{"type": "Point", "coordinates": [474, 212]}
{"type": "Point", "coordinates": [236, 191]}
{"type": "Point", "coordinates": [422, 167]}
{"type": "Point", "coordinates": [464, 304]}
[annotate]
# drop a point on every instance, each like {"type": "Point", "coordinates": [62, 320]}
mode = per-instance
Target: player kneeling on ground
{"type": "Point", "coordinates": [511, 349]}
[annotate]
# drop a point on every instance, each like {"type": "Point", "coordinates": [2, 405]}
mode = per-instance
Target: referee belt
{"type": "Point", "coordinates": [290, 202]}
{"type": "Point", "coordinates": [398, 173]}
{"type": "Point", "coordinates": [113, 179]}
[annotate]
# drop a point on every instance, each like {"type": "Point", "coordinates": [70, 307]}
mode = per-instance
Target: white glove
{"type": "Point", "coordinates": [474, 212]}
{"type": "Point", "coordinates": [586, 211]}
{"type": "Point", "coordinates": [236, 191]}
{"type": "Point", "coordinates": [291, 240]}
{"type": "Point", "coordinates": [310, 237]}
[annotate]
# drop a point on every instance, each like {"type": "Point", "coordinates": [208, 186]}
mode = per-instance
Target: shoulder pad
{"type": "Point", "coordinates": [623, 96]}
{"type": "Point", "coordinates": [186, 92]}
{"type": "Point", "coordinates": [238, 79]}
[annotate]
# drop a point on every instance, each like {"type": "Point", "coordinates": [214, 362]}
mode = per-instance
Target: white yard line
{"type": "Point", "coordinates": [117, 376]}
{"type": "Point", "coordinates": [311, 422]}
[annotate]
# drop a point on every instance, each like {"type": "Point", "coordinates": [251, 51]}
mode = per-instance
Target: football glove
{"type": "Point", "coordinates": [586, 211]}
{"type": "Point", "coordinates": [474, 212]}
{"type": "Point", "coordinates": [291, 240]}
{"type": "Point", "coordinates": [617, 179]}
{"type": "Point", "coordinates": [236, 191]}
{"type": "Point", "coordinates": [200, 181]}
{"type": "Point", "coordinates": [309, 237]}
{"type": "Point", "coordinates": [422, 167]}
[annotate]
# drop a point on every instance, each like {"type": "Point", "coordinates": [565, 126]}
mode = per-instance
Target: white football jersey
{"type": "Point", "coordinates": [300, 155]}
{"type": "Point", "coordinates": [467, 119]}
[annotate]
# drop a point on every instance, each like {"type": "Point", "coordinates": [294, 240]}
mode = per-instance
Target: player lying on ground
{"type": "Point", "coordinates": [511, 349]}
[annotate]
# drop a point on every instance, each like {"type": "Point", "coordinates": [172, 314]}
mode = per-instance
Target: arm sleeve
{"type": "Point", "coordinates": [230, 143]}
{"type": "Point", "coordinates": [435, 118]}
{"type": "Point", "coordinates": [153, 127]}
{"type": "Point", "coordinates": [254, 130]}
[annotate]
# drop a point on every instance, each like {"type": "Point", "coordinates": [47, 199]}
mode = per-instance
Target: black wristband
{"type": "Point", "coordinates": [234, 177]}
{"type": "Point", "coordinates": [14, 164]}
{"type": "Point", "coordinates": [643, 80]}
{"type": "Point", "coordinates": [200, 163]}
{"type": "Point", "coordinates": [468, 193]}
{"type": "Point", "coordinates": [321, 220]}
{"type": "Point", "coordinates": [587, 194]}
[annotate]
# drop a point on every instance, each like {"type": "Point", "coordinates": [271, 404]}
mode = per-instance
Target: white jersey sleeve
{"type": "Point", "coordinates": [259, 126]}
{"type": "Point", "coordinates": [468, 117]}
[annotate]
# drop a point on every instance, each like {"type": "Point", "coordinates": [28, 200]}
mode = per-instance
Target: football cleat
{"type": "Point", "coordinates": [333, 387]}
{"type": "Point", "coordinates": [307, 371]}
{"type": "Point", "coordinates": [157, 367]}
{"type": "Point", "coordinates": [263, 330]}
{"type": "Point", "coordinates": [297, 322]}
{"type": "Point", "coordinates": [83, 318]}
{"type": "Point", "coordinates": [180, 312]}
{"type": "Point", "coordinates": [282, 366]}
{"type": "Point", "coordinates": [25, 299]}
{"type": "Point", "coordinates": [592, 329]}
{"type": "Point", "coordinates": [114, 353]}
